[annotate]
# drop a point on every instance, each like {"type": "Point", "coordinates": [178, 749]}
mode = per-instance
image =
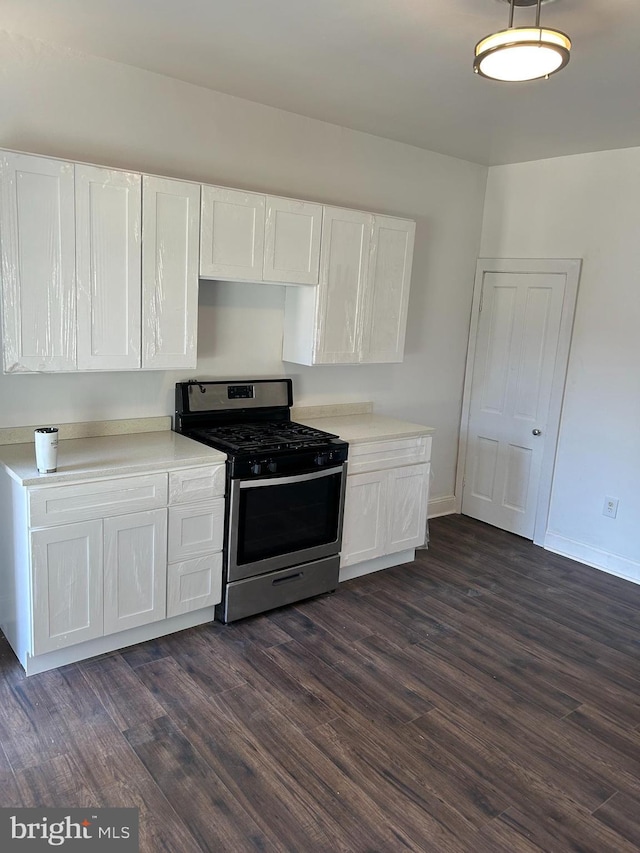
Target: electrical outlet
{"type": "Point", "coordinates": [610, 508]}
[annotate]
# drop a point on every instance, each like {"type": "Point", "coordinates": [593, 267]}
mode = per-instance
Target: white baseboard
{"type": "Point", "coordinates": [613, 564]}
{"type": "Point", "coordinates": [347, 573]}
{"type": "Point", "coordinates": [442, 506]}
{"type": "Point", "coordinates": [112, 642]}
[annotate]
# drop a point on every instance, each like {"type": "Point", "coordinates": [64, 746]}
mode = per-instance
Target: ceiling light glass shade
{"type": "Point", "coordinates": [522, 53]}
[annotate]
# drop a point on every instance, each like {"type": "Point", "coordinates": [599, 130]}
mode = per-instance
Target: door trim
{"type": "Point", "coordinates": [570, 268]}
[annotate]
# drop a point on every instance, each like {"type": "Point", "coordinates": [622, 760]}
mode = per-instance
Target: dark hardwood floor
{"type": "Point", "coordinates": [484, 698]}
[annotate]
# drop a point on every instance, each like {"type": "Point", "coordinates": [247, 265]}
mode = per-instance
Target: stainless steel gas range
{"type": "Point", "coordinates": [285, 492]}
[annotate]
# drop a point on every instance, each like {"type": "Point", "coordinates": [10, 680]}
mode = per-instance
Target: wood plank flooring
{"type": "Point", "coordinates": [484, 698]}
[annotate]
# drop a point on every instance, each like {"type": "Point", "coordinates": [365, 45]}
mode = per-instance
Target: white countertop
{"type": "Point", "coordinates": [109, 456]}
{"type": "Point", "coordinates": [366, 427]}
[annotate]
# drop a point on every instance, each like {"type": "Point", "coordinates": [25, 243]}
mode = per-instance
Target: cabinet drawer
{"type": "Point", "coordinates": [376, 455]}
{"type": "Point", "coordinates": [195, 529]}
{"type": "Point", "coordinates": [196, 484]}
{"type": "Point", "coordinates": [99, 499]}
{"type": "Point", "coordinates": [193, 584]}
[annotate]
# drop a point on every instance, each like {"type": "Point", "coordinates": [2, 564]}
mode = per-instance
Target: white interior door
{"type": "Point", "coordinates": [518, 351]}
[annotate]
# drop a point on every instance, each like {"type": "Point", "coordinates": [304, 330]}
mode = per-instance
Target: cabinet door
{"type": "Point", "coordinates": [67, 585]}
{"type": "Point", "coordinates": [135, 570]}
{"type": "Point", "coordinates": [170, 229]}
{"type": "Point", "coordinates": [292, 241]}
{"type": "Point", "coordinates": [232, 239]}
{"type": "Point", "coordinates": [364, 528]}
{"type": "Point", "coordinates": [108, 268]}
{"type": "Point", "coordinates": [407, 510]}
{"type": "Point", "coordinates": [387, 293]}
{"type": "Point", "coordinates": [346, 235]}
{"type": "Point", "coordinates": [38, 264]}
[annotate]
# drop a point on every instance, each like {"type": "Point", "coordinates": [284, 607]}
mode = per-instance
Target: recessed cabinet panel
{"type": "Point", "coordinates": [392, 453]}
{"type": "Point", "coordinates": [135, 576]}
{"type": "Point", "coordinates": [96, 499]}
{"type": "Point", "coordinates": [38, 264]}
{"type": "Point", "coordinates": [108, 268]}
{"type": "Point", "coordinates": [408, 490]}
{"type": "Point", "coordinates": [292, 241]}
{"type": "Point", "coordinates": [67, 585]}
{"type": "Point", "coordinates": [365, 527]}
{"type": "Point", "coordinates": [232, 234]}
{"type": "Point", "coordinates": [195, 529]}
{"type": "Point", "coordinates": [196, 484]}
{"type": "Point", "coordinates": [343, 272]}
{"type": "Point", "coordinates": [170, 220]}
{"type": "Point", "coordinates": [193, 584]}
{"type": "Point", "coordinates": [388, 290]}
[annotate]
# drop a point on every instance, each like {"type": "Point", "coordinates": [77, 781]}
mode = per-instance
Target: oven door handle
{"type": "Point", "coordinates": [296, 478]}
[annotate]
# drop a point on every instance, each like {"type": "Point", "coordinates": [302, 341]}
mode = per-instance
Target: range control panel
{"type": "Point", "coordinates": [241, 392]}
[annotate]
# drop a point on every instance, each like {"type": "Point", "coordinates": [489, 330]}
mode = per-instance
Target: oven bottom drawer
{"type": "Point", "coordinates": [275, 589]}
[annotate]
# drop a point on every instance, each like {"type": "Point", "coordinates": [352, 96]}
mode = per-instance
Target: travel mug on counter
{"type": "Point", "coordinates": [46, 439]}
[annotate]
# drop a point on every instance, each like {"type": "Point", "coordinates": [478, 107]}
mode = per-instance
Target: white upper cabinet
{"type": "Point", "coordinates": [343, 277]}
{"type": "Point", "coordinates": [232, 235]}
{"type": "Point", "coordinates": [292, 241]}
{"type": "Point", "coordinates": [252, 237]}
{"type": "Point", "coordinates": [38, 264]}
{"type": "Point", "coordinates": [170, 227]}
{"type": "Point", "coordinates": [387, 298]}
{"type": "Point", "coordinates": [107, 268]}
{"type": "Point", "coordinates": [99, 268]}
{"type": "Point", "coordinates": [358, 312]}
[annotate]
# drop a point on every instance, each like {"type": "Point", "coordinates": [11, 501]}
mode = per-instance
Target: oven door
{"type": "Point", "coordinates": [279, 522]}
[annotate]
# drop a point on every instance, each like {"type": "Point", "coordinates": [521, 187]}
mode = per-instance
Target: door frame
{"type": "Point", "coordinates": [570, 268]}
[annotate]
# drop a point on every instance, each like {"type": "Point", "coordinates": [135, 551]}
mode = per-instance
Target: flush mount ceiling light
{"type": "Point", "coordinates": [522, 53]}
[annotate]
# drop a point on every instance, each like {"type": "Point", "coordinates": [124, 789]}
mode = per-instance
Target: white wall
{"type": "Point", "coordinates": [587, 206]}
{"type": "Point", "coordinates": [55, 102]}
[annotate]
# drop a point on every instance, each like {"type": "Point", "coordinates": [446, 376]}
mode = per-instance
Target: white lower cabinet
{"type": "Point", "coordinates": [385, 509]}
{"type": "Point", "coordinates": [97, 577]}
{"type": "Point", "coordinates": [135, 570]}
{"type": "Point", "coordinates": [364, 533]}
{"type": "Point", "coordinates": [67, 580]}
{"type": "Point", "coordinates": [407, 507]}
{"type": "Point", "coordinates": [70, 583]}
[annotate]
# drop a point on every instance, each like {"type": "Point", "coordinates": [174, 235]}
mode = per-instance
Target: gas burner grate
{"type": "Point", "coordinates": [263, 437]}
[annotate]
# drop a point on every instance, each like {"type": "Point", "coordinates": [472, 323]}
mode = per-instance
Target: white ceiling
{"type": "Point", "coordinates": [396, 68]}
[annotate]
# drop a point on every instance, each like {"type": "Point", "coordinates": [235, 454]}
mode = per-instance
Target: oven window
{"type": "Point", "coordinates": [281, 519]}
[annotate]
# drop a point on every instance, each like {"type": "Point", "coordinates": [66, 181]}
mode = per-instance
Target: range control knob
{"type": "Point", "coordinates": [272, 466]}
{"type": "Point", "coordinates": [256, 468]}
{"type": "Point", "coordinates": [321, 459]}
